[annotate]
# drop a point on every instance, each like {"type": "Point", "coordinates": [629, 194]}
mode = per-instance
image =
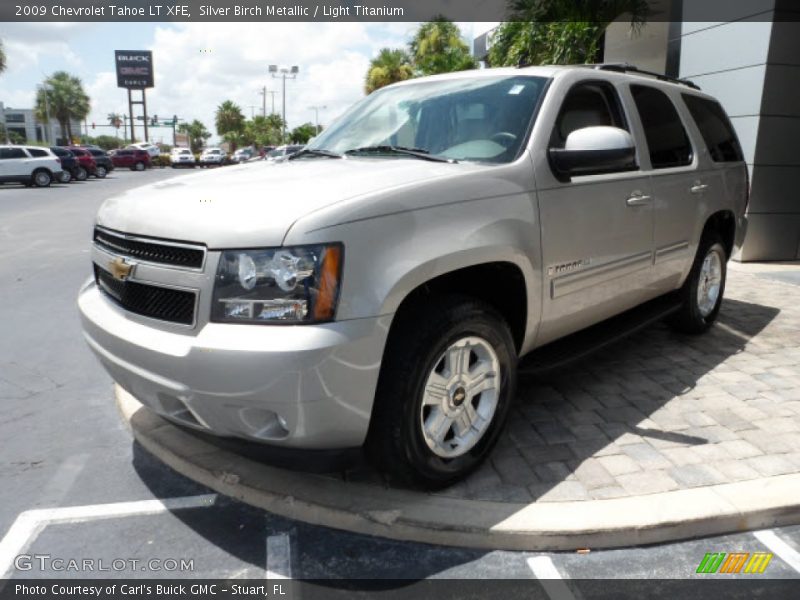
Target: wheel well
{"type": "Point", "coordinates": [500, 284]}
{"type": "Point", "coordinates": [723, 222]}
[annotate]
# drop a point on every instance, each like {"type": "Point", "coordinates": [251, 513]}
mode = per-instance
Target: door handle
{"type": "Point", "coordinates": [698, 188]}
{"type": "Point", "coordinates": [638, 199]}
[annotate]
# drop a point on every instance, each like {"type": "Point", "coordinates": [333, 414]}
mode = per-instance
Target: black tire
{"type": "Point", "coordinates": [42, 178]}
{"type": "Point", "coordinates": [101, 172]}
{"type": "Point", "coordinates": [691, 318]}
{"type": "Point", "coordinates": [81, 174]}
{"type": "Point", "coordinates": [396, 442]}
{"type": "Point", "coordinates": [139, 166]}
{"type": "Point", "coordinates": [65, 177]}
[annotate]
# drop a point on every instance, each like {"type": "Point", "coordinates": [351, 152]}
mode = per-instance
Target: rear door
{"type": "Point", "coordinates": [13, 162]}
{"type": "Point", "coordinates": [597, 230]}
{"type": "Point", "coordinates": [681, 189]}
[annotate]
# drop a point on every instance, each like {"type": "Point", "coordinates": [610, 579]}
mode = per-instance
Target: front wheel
{"type": "Point", "coordinates": [81, 174]}
{"type": "Point", "coordinates": [101, 172]}
{"type": "Point", "coordinates": [139, 166]}
{"type": "Point", "coordinates": [65, 177]}
{"type": "Point", "coordinates": [702, 292]}
{"type": "Point", "coordinates": [444, 392]}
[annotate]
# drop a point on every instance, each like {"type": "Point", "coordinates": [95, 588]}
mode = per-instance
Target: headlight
{"type": "Point", "coordinates": [289, 285]}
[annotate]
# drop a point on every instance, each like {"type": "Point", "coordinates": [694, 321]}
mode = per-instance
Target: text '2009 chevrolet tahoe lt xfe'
{"type": "Point", "coordinates": [379, 288]}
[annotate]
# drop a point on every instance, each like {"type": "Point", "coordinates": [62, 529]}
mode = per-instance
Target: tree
{"type": "Point", "coordinates": [438, 47]}
{"type": "Point", "coordinates": [303, 133]}
{"type": "Point", "coordinates": [197, 132]}
{"type": "Point", "coordinates": [560, 31]}
{"type": "Point", "coordinates": [230, 122]}
{"type": "Point", "coordinates": [2, 57]}
{"type": "Point", "coordinates": [107, 142]}
{"type": "Point", "coordinates": [66, 100]}
{"type": "Point", "coordinates": [390, 66]}
{"type": "Point", "coordinates": [115, 120]}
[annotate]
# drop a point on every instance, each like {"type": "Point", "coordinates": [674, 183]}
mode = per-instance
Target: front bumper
{"type": "Point", "coordinates": [304, 386]}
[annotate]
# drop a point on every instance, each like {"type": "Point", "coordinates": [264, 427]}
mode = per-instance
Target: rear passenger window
{"type": "Point", "coordinates": [667, 141]}
{"type": "Point", "coordinates": [37, 152]}
{"type": "Point", "coordinates": [587, 105]}
{"type": "Point", "coordinates": [716, 129]}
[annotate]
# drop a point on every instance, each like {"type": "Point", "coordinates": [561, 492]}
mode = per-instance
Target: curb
{"type": "Point", "coordinates": [428, 518]}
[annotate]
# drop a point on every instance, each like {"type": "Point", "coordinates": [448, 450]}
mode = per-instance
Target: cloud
{"type": "Point", "coordinates": [200, 65]}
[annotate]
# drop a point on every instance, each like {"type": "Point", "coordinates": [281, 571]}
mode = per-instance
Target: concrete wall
{"type": "Point", "coordinates": [753, 67]}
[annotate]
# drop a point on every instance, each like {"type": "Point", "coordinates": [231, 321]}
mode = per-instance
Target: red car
{"type": "Point", "coordinates": [135, 160]}
{"type": "Point", "coordinates": [86, 163]}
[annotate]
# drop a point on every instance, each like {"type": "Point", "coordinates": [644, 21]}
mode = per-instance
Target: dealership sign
{"type": "Point", "coordinates": [134, 68]}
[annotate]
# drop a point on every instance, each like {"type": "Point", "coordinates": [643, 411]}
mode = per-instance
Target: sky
{"type": "Point", "coordinates": [200, 65]}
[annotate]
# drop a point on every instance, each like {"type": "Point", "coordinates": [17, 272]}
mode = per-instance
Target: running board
{"type": "Point", "coordinates": [588, 341]}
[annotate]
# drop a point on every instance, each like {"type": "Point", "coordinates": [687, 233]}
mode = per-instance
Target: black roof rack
{"type": "Point", "coordinates": [629, 68]}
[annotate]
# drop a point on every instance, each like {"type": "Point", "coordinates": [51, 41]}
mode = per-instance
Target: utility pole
{"type": "Point", "coordinates": [316, 110]}
{"type": "Point", "coordinates": [263, 93]}
{"type": "Point", "coordinates": [284, 73]}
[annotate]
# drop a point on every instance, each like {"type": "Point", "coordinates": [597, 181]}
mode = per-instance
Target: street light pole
{"type": "Point", "coordinates": [316, 110]}
{"type": "Point", "coordinates": [284, 73]}
{"type": "Point", "coordinates": [48, 135]}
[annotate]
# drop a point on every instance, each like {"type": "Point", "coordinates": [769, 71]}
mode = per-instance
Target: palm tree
{"type": "Point", "coordinates": [66, 100]}
{"type": "Point", "coordinates": [438, 47]}
{"type": "Point", "coordinates": [390, 66]}
{"type": "Point", "coordinates": [2, 58]}
{"type": "Point", "coordinates": [197, 132]}
{"type": "Point", "coordinates": [560, 31]}
{"type": "Point", "coordinates": [115, 120]}
{"type": "Point", "coordinates": [229, 118]}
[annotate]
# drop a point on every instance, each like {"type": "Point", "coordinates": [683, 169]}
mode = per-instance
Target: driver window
{"type": "Point", "coordinates": [587, 105]}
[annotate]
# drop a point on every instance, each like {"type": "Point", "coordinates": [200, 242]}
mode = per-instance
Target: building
{"type": "Point", "coordinates": [750, 61]}
{"type": "Point", "coordinates": [23, 122]}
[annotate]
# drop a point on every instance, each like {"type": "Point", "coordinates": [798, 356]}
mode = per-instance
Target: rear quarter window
{"type": "Point", "coordinates": [715, 128]}
{"type": "Point", "coordinates": [667, 141]}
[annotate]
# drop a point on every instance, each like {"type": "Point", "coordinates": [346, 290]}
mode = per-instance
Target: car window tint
{"type": "Point", "coordinates": [12, 153]}
{"type": "Point", "coordinates": [666, 137]}
{"type": "Point", "coordinates": [587, 105]}
{"type": "Point", "coordinates": [716, 129]}
{"type": "Point", "coordinates": [38, 152]}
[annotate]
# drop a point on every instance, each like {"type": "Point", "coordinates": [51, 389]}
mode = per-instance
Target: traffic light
{"type": "Point", "coordinates": [92, 124]}
{"type": "Point", "coordinates": [174, 120]}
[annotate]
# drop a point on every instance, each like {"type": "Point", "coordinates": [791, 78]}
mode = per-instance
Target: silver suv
{"type": "Point", "coordinates": [379, 288]}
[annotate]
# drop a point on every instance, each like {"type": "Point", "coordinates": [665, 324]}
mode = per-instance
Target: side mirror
{"type": "Point", "coordinates": [594, 150]}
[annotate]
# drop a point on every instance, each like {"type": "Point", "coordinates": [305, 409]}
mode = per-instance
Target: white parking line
{"type": "Point", "coordinates": [279, 557]}
{"type": "Point", "coordinates": [30, 523]}
{"type": "Point", "coordinates": [788, 554]}
{"type": "Point", "coordinates": [550, 579]}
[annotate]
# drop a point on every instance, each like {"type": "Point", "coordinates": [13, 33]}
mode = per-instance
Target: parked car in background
{"type": "Point", "coordinates": [69, 164]}
{"type": "Point", "coordinates": [282, 153]}
{"type": "Point", "coordinates": [151, 149]}
{"type": "Point", "coordinates": [29, 165]}
{"type": "Point", "coordinates": [242, 155]}
{"type": "Point", "coordinates": [182, 157]}
{"type": "Point", "coordinates": [85, 160]}
{"type": "Point", "coordinates": [103, 160]}
{"type": "Point", "coordinates": [131, 158]}
{"type": "Point", "coordinates": [212, 156]}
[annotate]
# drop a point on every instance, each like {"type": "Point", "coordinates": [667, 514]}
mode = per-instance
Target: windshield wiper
{"type": "Point", "coordinates": [415, 152]}
{"type": "Point", "coordinates": [315, 152]}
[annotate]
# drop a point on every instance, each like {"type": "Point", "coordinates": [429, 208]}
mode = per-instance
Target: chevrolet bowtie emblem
{"type": "Point", "coordinates": [120, 269]}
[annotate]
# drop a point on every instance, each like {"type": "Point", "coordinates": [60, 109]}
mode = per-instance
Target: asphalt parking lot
{"type": "Point", "coordinates": [97, 495]}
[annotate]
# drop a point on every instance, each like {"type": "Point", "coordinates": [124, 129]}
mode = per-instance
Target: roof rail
{"type": "Point", "coordinates": [629, 68]}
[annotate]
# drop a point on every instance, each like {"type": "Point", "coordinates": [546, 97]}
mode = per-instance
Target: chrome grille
{"type": "Point", "coordinates": [165, 253]}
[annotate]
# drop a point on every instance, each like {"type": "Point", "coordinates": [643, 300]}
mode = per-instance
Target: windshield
{"type": "Point", "coordinates": [470, 118]}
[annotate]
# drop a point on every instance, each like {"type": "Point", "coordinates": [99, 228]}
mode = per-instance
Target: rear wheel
{"type": "Point", "coordinates": [42, 178]}
{"type": "Point", "coordinates": [702, 292]}
{"type": "Point", "coordinates": [446, 385]}
{"type": "Point", "coordinates": [139, 166]}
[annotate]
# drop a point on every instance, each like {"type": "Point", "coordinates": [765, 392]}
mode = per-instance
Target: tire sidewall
{"type": "Point", "coordinates": [427, 468]}
{"type": "Point", "coordinates": [42, 178]}
{"type": "Point", "coordinates": [81, 174]}
{"type": "Point", "coordinates": [709, 245]}
{"type": "Point", "coordinates": [66, 177]}
{"type": "Point", "coordinates": [101, 172]}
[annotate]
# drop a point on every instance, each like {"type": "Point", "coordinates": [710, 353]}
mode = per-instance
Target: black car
{"type": "Point", "coordinates": [103, 160]}
{"type": "Point", "coordinates": [69, 164]}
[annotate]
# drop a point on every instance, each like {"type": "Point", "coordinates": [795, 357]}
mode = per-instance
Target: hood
{"type": "Point", "coordinates": [255, 204]}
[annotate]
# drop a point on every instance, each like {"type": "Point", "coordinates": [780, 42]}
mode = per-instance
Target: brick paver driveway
{"type": "Point", "coordinates": [661, 411]}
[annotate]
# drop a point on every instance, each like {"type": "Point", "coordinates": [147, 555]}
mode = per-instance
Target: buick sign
{"type": "Point", "coordinates": [134, 69]}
